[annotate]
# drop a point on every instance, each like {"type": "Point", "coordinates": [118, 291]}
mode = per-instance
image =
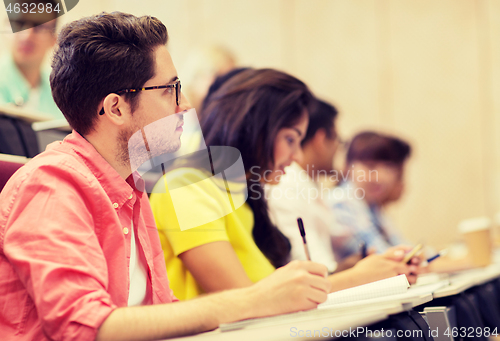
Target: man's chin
{"type": "Point", "coordinates": [176, 146]}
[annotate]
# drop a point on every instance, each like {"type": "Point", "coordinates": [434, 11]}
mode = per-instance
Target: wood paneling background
{"type": "Point", "coordinates": [427, 70]}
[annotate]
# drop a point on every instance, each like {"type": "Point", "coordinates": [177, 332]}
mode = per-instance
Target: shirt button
{"type": "Point", "coordinates": [125, 230]}
{"type": "Point", "coordinates": [115, 205]}
{"type": "Point", "coordinates": [131, 196]}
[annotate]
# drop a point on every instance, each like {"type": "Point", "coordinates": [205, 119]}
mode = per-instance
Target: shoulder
{"type": "Point", "coordinates": [10, 72]}
{"type": "Point", "coordinates": [52, 169]}
{"type": "Point", "coordinates": [52, 182]}
{"type": "Point", "coordinates": [11, 81]}
{"type": "Point", "coordinates": [186, 175]}
{"type": "Point", "coordinates": [191, 180]}
{"type": "Point", "coordinates": [292, 185]}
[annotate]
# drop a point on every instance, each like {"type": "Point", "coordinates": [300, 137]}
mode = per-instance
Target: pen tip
{"type": "Point", "coordinates": [301, 227]}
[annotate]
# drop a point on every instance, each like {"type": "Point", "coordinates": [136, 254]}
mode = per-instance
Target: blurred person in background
{"type": "Point", "coordinates": [264, 114]}
{"type": "Point", "coordinates": [24, 81]}
{"type": "Point", "coordinates": [372, 179]}
{"type": "Point", "coordinates": [199, 71]}
{"type": "Point", "coordinates": [201, 68]}
{"type": "Point", "coordinates": [303, 192]}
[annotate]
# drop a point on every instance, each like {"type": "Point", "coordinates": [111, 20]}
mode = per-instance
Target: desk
{"type": "Point", "coordinates": [467, 279]}
{"type": "Point", "coordinates": [454, 309]}
{"type": "Point", "coordinates": [50, 131]}
{"type": "Point", "coordinates": [324, 321]}
{"type": "Point", "coordinates": [18, 135]}
{"type": "Point", "coordinates": [344, 316]}
{"type": "Point", "coordinates": [293, 329]}
{"type": "Point", "coordinates": [60, 124]}
{"type": "Point", "coordinates": [23, 114]}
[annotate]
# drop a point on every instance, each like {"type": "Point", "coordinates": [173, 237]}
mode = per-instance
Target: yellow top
{"type": "Point", "coordinates": [199, 209]}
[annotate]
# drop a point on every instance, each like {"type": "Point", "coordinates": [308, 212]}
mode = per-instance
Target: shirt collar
{"type": "Point", "coordinates": [118, 189]}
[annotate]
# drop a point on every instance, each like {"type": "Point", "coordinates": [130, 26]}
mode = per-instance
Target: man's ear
{"type": "Point", "coordinates": [116, 109]}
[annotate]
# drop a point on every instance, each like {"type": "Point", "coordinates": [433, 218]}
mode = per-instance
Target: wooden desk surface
{"type": "Point", "coordinates": [23, 114]}
{"type": "Point", "coordinates": [324, 323]}
{"type": "Point", "coordinates": [468, 279]}
{"type": "Point", "coordinates": [295, 330]}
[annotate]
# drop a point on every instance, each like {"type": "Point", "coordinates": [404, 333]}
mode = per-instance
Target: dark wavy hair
{"type": "Point", "coordinates": [99, 55]}
{"type": "Point", "coordinates": [321, 118]}
{"type": "Point", "coordinates": [246, 112]}
{"type": "Point", "coordinates": [373, 146]}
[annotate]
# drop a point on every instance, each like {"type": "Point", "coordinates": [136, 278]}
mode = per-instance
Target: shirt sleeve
{"type": "Point", "coordinates": [286, 204]}
{"type": "Point", "coordinates": [50, 241]}
{"type": "Point", "coordinates": [191, 211]}
{"type": "Point", "coordinates": [345, 238]}
{"type": "Point", "coordinates": [284, 213]}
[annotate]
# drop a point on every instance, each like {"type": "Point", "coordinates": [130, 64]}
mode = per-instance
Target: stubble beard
{"type": "Point", "coordinates": [144, 149]}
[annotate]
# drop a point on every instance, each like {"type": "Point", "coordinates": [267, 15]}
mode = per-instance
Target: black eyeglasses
{"type": "Point", "coordinates": [175, 85]}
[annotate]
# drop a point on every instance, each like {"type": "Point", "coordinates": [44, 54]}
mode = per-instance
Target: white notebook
{"type": "Point", "coordinates": [376, 294]}
{"type": "Point", "coordinates": [389, 286]}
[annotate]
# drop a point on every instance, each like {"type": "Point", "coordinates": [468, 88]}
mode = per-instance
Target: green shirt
{"type": "Point", "coordinates": [14, 88]}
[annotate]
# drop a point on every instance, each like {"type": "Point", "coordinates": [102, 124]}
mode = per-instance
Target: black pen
{"type": "Point", "coordinates": [363, 249]}
{"type": "Point", "coordinates": [303, 234]}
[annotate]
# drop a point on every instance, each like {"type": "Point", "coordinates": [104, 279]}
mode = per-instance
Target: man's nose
{"type": "Point", "coordinates": [185, 105]}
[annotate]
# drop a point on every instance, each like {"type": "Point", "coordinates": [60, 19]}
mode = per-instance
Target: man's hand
{"type": "Point", "coordinates": [294, 287]}
{"type": "Point", "coordinates": [299, 285]}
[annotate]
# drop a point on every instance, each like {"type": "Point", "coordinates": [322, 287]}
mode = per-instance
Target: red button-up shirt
{"type": "Point", "coordinates": [65, 220]}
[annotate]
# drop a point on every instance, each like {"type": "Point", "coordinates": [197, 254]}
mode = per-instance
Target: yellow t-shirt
{"type": "Point", "coordinates": [196, 210]}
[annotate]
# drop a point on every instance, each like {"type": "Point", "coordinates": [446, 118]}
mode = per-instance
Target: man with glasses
{"type": "Point", "coordinates": [80, 256]}
{"type": "Point", "coordinates": [23, 80]}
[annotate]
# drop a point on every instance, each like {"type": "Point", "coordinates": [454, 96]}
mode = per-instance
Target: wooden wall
{"type": "Point", "coordinates": [428, 70]}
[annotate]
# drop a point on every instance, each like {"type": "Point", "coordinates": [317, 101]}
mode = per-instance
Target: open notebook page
{"type": "Point", "coordinates": [389, 286]}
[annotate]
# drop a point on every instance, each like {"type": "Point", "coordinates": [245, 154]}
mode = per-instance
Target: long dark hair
{"type": "Point", "coordinates": [246, 112]}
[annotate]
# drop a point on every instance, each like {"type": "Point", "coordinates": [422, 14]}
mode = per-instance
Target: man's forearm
{"type": "Point", "coordinates": [177, 319]}
{"type": "Point", "coordinates": [293, 287]}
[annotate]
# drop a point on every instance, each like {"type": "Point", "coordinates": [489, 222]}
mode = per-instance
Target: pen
{"type": "Point", "coordinates": [412, 253]}
{"type": "Point", "coordinates": [303, 235]}
{"type": "Point", "coordinates": [363, 249]}
{"type": "Point", "coordinates": [440, 253]}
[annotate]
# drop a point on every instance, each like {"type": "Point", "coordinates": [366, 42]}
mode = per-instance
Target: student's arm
{"type": "Point", "coordinates": [348, 262]}
{"type": "Point", "coordinates": [294, 287]}
{"type": "Point", "coordinates": [205, 249]}
{"type": "Point", "coordinates": [376, 267]}
{"type": "Point", "coordinates": [215, 267]}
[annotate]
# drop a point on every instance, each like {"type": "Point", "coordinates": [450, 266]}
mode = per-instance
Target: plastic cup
{"type": "Point", "coordinates": [477, 235]}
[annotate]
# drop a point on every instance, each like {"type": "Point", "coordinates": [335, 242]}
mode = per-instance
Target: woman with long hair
{"type": "Point", "coordinates": [216, 231]}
